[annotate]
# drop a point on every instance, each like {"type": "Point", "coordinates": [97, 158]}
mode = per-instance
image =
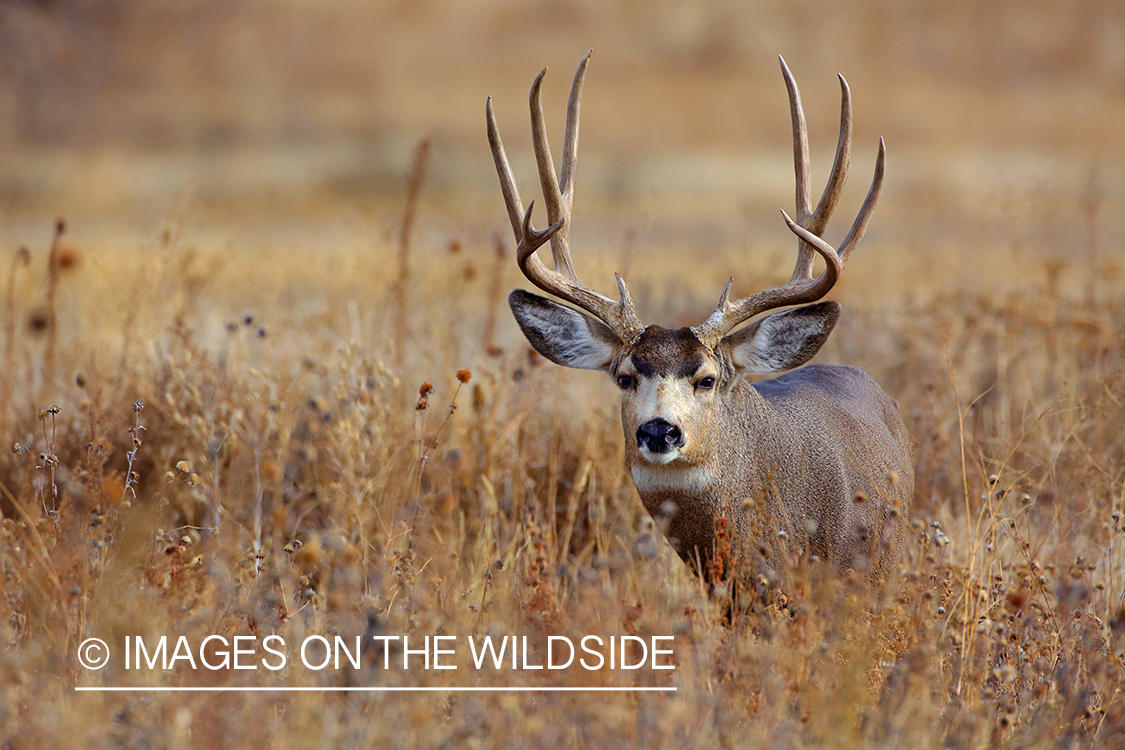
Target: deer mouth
{"type": "Point", "coordinates": [662, 457]}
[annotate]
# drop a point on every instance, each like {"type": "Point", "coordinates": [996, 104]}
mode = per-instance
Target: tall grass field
{"type": "Point", "coordinates": [261, 395]}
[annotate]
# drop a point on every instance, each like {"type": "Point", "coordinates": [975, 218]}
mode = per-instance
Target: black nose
{"type": "Point", "coordinates": [659, 436]}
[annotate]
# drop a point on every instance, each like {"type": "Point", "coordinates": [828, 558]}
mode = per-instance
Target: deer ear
{"type": "Point", "coordinates": [783, 341]}
{"type": "Point", "coordinates": [562, 334]}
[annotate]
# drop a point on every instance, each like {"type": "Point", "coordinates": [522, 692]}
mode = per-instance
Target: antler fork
{"type": "Point", "coordinates": [558, 195]}
{"type": "Point", "coordinates": [802, 288]}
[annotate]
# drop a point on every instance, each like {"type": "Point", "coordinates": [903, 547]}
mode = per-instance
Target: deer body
{"type": "Point", "coordinates": [799, 416]}
{"type": "Point", "coordinates": [815, 463]}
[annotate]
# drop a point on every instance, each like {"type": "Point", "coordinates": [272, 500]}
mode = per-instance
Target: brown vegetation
{"type": "Point", "coordinates": [209, 433]}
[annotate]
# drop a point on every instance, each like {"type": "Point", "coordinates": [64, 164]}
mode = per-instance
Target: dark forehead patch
{"type": "Point", "coordinates": [667, 351]}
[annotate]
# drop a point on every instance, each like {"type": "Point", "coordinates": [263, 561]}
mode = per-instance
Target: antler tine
{"type": "Point", "coordinates": [562, 281]}
{"type": "Point", "coordinates": [855, 234]}
{"type": "Point", "coordinates": [727, 315]}
{"type": "Point", "coordinates": [533, 239]}
{"type": "Point", "coordinates": [803, 179]}
{"type": "Point", "coordinates": [802, 288]}
{"type": "Point", "coordinates": [815, 221]}
{"type": "Point", "coordinates": [528, 239]}
{"type": "Point", "coordinates": [800, 144]}
{"type": "Point", "coordinates": [570, 139]}
{"type": "Point", "coordinates": [835, 187]}
{"type": "Point", "coordinates": [552, 194]}
{"type": "Point", "coordinates": [812, 290]}
{"type": "Point", "coordinates": [504, 172]}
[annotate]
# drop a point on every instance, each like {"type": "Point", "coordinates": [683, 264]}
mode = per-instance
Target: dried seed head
{"type": "Point", "coordinates": [66, 256]}
{"type": "Point", "coordinates": [464, 375]}
{"type": "Point", "coordinates": [310, 552]}
{"type": "Point", "coordinates": [39, 319]}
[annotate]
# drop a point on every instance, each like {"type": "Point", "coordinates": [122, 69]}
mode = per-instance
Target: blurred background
{"type": "Point", "coordinates": [291, 124]}
{"type": "Point", "coordinates": [241, 254]}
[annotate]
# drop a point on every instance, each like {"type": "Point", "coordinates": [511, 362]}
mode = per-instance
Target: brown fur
{"type": "Point", "coordinates": [788, 455]}
{"type": "Point", "coordinates": [815, 463]}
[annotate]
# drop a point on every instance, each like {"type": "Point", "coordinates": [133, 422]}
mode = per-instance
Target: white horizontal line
{"type": "Point", "coordinates": [505, 689]}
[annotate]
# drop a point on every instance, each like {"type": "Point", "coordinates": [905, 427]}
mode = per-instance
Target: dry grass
{"type": "Point", "coordinates": [216, 435]}
{"type": "Point", "coordinates": [288, 482]}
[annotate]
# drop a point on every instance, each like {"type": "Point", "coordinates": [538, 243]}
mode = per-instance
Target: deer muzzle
{"type": "Point", "coordinates": [659, 436]}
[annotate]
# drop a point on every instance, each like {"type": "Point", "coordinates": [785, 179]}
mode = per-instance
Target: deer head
{"type": "Point", "coordinates": [674, 380]}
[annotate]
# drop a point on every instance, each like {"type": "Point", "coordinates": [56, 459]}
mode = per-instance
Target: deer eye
{"type": "Point", "coordinates": [706, 383]}
{"type": "Point", "coordinates": [626, 381]}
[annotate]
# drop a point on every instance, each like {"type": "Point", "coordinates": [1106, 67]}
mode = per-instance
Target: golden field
{"type": "Point", "coordinates": [228, 385]}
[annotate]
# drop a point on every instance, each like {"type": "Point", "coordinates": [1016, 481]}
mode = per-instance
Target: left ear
{"type": "Point", "coordinates": [783, 341]}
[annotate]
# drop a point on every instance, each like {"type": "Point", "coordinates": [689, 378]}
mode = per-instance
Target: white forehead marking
{"type": "Point", "coordinates": [664, 397]}
{"type": "Point", "coordinates": [688, 479]}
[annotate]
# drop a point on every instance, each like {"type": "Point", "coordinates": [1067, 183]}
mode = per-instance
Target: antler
{"type": "Point", "coordinates": [802, 287]}
{"type": "Point", "coordinates": [558, 194]}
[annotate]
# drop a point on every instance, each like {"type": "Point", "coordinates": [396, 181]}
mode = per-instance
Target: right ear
{"type": "Point", "coordinates": [562, 334]}
{"type": "Point", "coordinates": [783, 341]}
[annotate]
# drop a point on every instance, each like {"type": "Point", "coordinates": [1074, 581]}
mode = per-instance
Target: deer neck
{"type": "Point", "coordinates": [687, 500]}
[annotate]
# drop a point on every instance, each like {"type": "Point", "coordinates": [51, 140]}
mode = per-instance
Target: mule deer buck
{"type": "Point", "coordinates": [813, 464]}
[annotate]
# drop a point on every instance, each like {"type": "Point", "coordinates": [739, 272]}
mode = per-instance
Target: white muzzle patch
{"type": "Point", "coordinates": [659, 459]}
{"type": "Point", "coordinates": [664, 477]}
